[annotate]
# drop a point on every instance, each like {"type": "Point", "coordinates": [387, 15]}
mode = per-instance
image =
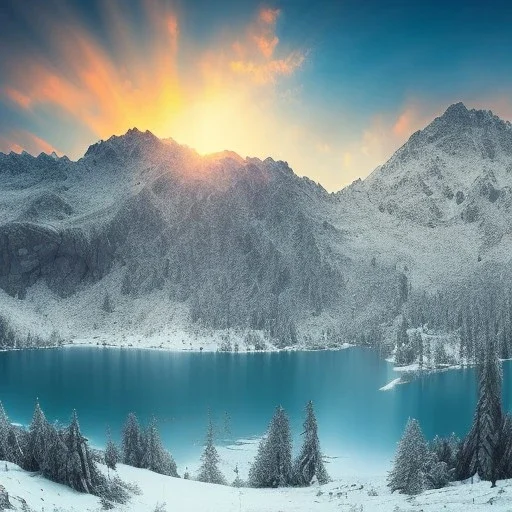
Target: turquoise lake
{"type": "Point", "coordinates": [358, 424]}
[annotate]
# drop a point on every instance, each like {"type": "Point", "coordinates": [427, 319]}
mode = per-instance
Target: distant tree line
{"type": "Point", "coordinates": [486, 451]}
{"type": "Point", "coordinates": [446, 328]}
{"type": "Point", "coordinates": [468, 311]}
{"type": "Point", "coordinates": [10, 338]}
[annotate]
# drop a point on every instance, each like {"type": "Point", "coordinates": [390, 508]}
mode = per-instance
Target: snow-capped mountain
{"type": "Point", "coordinates": [172, 237]}
{"type": "Point", "coordinates": [455, 168]}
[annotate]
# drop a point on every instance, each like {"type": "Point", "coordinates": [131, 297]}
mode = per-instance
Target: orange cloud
{"type": "Point", "coordinates": [7, 145]}
{"type": "Point", "coordinates": [254, 56]}
{"type": "Point", "coordinates": [269, 16]}
{"type": "Point", "coordinates": [41, 144]}
{"type": "Point", "coordinates": [18, 98]}
{"type": "Point", "coordinates": [402, 126]}
{"type": "Point", "coordinates": [266, 45]}
{"type": "Point", "coordinates": [108, 89]}
{"type": "Point", "coordinates": [20, 140]}
{"type": "Point", "coordinates": [105, 92]}
{"type": "Point", "coordinates": [385, 134]}
{"type": "Point", "coordinates": [269, 72]}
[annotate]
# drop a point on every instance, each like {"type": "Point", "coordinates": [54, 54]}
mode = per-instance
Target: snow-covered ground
{"type": "Point", "coordinates": [138, 322]}
{"type": "Point", "coordinates": [347, 494]}
{"type": "Point", "coordinates": [367, 492]}
{"type": "Point", "coordinates": [391, 384]}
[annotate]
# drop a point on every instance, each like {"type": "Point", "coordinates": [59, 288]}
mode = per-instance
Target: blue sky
{"type": "Point", "coordinates": [333, 87]}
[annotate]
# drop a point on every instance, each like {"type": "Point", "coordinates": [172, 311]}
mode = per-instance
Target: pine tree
{"type": "Point", "coordinates": [427, 352]}
{"type": "Point", "coordinates": [309, 463]}
{"type": "Point", "coordinates": [55, 462]}
{"type": "Point", "coordinates": [408, 473]}
{"type": "Point", "coordinates": [237, 482]}
{"type": "Point", "coordinates": [132, 442]}
{"type": "Point", "coordinates": [404, 351]}
{"type": "Point", "coordinates": [445, 449]}
{"type": "Point", "coordinates": [506, 448]}
{"type": "Point", "coordinates": [480, 452]}
{"type": "Point", "coordinates": [5, 427]}
{"type": "Point", "coordinates": [80, 468]}
{"type": "Point", "coordinates": [273, 464]}
{"type": "Point", "coordinates": [111, 453]}
{"type": "Point", "coordinates": [38, 439]}
{"type": "Point", "coordinates": [437, 473]}
{"type": "Point", "coordinates": [209, 471]}
{"type": "Point", "coordinates": [419, 347]}
{"type": "Point", "coordinates": [155, 457]}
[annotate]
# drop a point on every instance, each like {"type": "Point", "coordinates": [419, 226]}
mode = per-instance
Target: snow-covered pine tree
{"type": "Point", "coordinates": [111, 453]}
{"type": "Point", "coordinates": [155, 457]}
{"type": "Point", "coordinates": [54, 465]}
{"type": "Point", "coordinates": [237, 482]}
{"type": "Point", "coordinates": [5, 427]}
{"type": "Point", "coordinates": [445, 449]}
{"type": "Point", "coordinates": [80, 469]}
{"type": "Point", "coordinates": [273, 464]}
{"type": "Point", "coordinates": [437, 473]}
{"type": "Point", "coordinates": [38, 439]}
{"type": "Point", "coordinates": [404, 350]}
{"type": "Point", "coordinates": [427, 353]}
{"type": "Point", "coordinates": [506, 448]}
{"type": "Point", "coordinates": [132, 442]}
{"type": "Point", "coordinates": [408, 473]}
{"type": "Point", "coordinates": [309, 463]}
{"type": "Point", "coordinates": [480, 452]}
{"type": "Point", "coordinates": [418, 342]}
{"type": "Point", "coordinates": [209, 471]}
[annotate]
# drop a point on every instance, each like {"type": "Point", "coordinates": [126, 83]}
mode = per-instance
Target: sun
{"type": "Point", "coordinates": [212, 124]}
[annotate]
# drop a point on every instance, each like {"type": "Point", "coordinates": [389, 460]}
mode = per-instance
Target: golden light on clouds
{"type": "Point", "coordinates": [213, 102]}
{"type": "Point", "coordinates": [29, 142]}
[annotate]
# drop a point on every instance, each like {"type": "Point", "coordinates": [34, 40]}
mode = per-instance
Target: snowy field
{"type": "Point", "coordinates": [178, 495]}
{"type": "Point", "coordinates": [364, 493]}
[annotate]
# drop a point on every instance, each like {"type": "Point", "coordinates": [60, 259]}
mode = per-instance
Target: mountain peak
{"type": "Point", "coordinates": [457, 111]}
{"type": "Point", "coordinates": [121, 145]}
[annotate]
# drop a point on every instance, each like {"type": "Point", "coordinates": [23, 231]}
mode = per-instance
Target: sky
{"type": "Point", "coordinates": [333, 87]}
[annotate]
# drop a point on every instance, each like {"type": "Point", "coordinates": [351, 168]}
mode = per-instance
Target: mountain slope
{"type": "Point", "coordinates": [142, 234]}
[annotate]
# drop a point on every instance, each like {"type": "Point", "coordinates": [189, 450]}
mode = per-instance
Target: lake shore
{"type": "Point", "coordinates": [141, 343]}
{"type": "Point", "coordinates": [413, 371]}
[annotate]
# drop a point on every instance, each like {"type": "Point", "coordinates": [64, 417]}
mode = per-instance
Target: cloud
{"type": "Point", "coordinates": [268, 72]}
{"type": "Point", "coordinates": [389, 131]}
{"type": "Point", "coordinates": [107, 87]}
{"type": "Point", "coordinates": [256, 52]}
{"type": "Point", "coordinates": [19, 140]}
{"type": "Point", "coordinates": [17, 97]}
{"type": "Point", "coordinates": [403, 125]}
{"type": "Point", "coordinates": [385, 133]}
{"type": "Point", "coordinates": [269, 16]}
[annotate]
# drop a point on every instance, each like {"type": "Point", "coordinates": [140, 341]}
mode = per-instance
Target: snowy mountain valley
{"type": "Point", "coordinates": [143, 242]}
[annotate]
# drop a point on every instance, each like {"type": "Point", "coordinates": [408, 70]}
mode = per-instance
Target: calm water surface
{"type": "Point", "coordinates": [359, 425]}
